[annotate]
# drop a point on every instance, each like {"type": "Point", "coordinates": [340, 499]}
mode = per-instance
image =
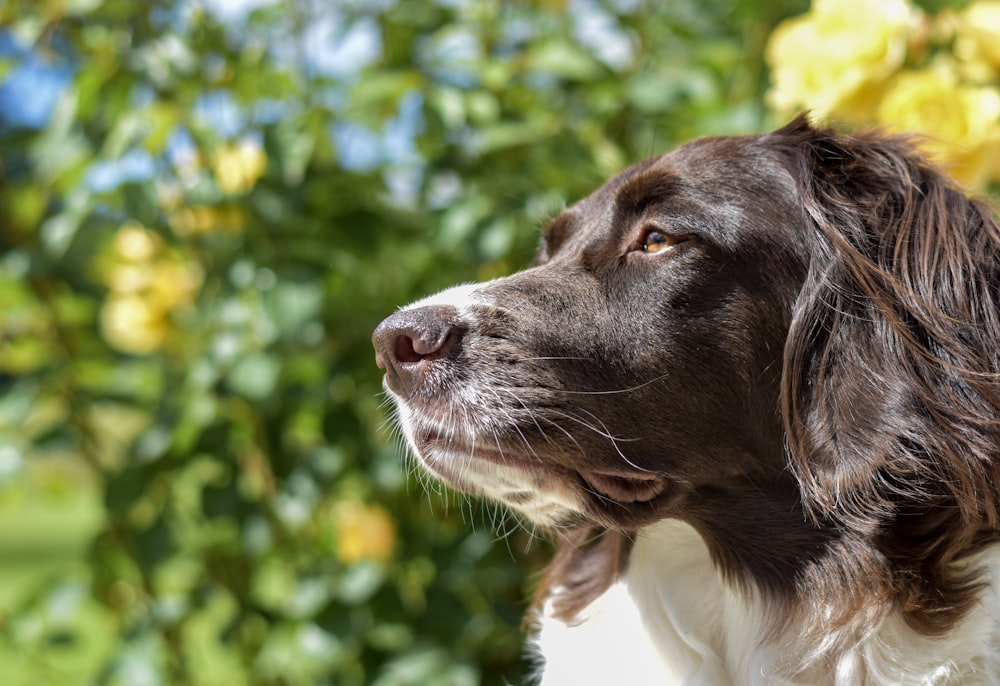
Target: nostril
{"type": "Point", "coordinates": [404, 350]}
{"type": "Point", "coordinates": [430, 342]}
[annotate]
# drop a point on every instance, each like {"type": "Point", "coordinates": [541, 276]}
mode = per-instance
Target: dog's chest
{"type": "Point", "coordinates": [671, 620]}
{"type": "Point", "coordinates": [609, 645]}
{"type": "Point", "coordinates": [642, 631]}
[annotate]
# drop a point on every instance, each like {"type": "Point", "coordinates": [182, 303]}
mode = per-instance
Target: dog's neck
{"type": "Point", "coordinates": [674, 618]}
{"type": "Point", "coordinates": [757, 536]}
{"type": "Point", "coordinates": [662, 622]}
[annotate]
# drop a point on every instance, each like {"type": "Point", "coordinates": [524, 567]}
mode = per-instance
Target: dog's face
{"type": "Point", "coordinates": [635, 367]}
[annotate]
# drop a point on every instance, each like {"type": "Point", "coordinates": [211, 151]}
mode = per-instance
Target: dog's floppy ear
{"type": "Point", "coordinates": [891, 390]}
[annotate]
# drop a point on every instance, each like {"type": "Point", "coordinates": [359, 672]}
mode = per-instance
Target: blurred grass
{"type": "Point", "coordinates": [47, 521]}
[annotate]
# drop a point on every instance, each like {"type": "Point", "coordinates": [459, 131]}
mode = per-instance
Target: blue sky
{"type": "Point", "coordinates": [31, 88]}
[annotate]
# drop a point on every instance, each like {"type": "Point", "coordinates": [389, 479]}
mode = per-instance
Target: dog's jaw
{"type": "Point", "coordinates": [544, 495]}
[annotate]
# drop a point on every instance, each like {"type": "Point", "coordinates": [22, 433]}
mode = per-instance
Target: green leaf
{"type": "Point", "coordinates": [360, 582]}
{"type": "Point", "coordinates": [563, 59]}
{"type": "Point", "coordinates": [291, 305]}
{"type": "Point", "coordinates": [427, 666]}
{"type": "Point", "coordinates": [255, 376]}
{"type": "Point", "coordinates": [155, 544]}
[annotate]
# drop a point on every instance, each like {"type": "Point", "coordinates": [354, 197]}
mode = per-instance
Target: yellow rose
{"type": "Point", "coordinates": [129, 278]}
{"type": "Point", "coordinates": [962, 121]}
{"type": "Point", "coordinates": [133, 324]}
{"type": "Point", "coordinates": [204, 219]}
{"type": "Point", "coordinates": [173, 284]}
{"type": "Point", "coordinates": [134, 243]}
{"type": "Point", "coordinates": [364, 532]}
{"type": "Point", "coordinates": [977, 40]}
{"type": "Point", "coordinates": [143, 267]}
{"type": "Point", "coordinates": [833, 59]}
{"type": "Point", "coordinates": [239, 165]}
{"type": "Point", "coordinates": [147, 282]}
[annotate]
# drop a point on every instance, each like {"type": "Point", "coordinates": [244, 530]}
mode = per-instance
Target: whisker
{"type": "Point", "coordinates": [530, 414]}
{"type": "Point", "coordinates": [606, 434]}
{"type": "Point", "coordinates": [513, 423]}
{"type": "Point", "coordinates": [568, 435]}
{"type": "Point", "coordinates": [616, 391]}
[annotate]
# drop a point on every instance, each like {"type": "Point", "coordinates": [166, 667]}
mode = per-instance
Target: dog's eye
{"type": "Point", "coordinates": [657, 241]}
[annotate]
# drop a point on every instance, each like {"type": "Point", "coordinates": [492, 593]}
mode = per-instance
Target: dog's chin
{"type": "Point", "coordinates": [548, 494]}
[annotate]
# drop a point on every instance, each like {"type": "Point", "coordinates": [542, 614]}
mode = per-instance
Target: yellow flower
{"type": "Point", "coordinates": [133, 324]}
{"type": "Point", "coordinates": [833, 59]}
{"type": "Point", "coordinates": [147, 283]}
{"type": "Point", "coordinates": [136, 244]}
{"type": "Point", "coordinates": [239, 165]}
{"type": "Point", "coordinates": [977, 40]}
{"type": "Point", "coordinates": [145, 269]}
{"type": "Point", "coordinates": [364, 532]}
{"type": "Point", "coordinates": [962, 121]}
{"type": "Point", "coordinates": [173, 284]}
{"type": "Point", "coordinates": [203, 219]}
{"type": "Point", "coordinates": [129, 278]}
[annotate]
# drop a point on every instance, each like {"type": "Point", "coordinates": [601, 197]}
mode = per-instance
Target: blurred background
{"type": "Point", "coordinates": [206, 206]}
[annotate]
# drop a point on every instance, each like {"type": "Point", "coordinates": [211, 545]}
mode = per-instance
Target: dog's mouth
{"type": "Point", "coordinates": [625, 486]}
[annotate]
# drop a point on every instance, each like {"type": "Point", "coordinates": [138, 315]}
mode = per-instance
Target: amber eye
{"type": "Point", "coordinates": [657, 241]}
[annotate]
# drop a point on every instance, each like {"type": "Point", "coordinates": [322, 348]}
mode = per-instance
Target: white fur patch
{"type": "Point", "coordinates": [460, 297]}
{"type": "Point", "coordinates": [673, 621]}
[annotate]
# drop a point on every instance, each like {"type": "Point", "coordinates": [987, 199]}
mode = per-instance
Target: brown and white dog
{"type": "Point", "coordinates": [752, 387]}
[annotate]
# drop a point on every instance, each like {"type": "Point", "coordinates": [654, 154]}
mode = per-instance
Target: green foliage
{"type": "Point", "coordinates": [197, 335]}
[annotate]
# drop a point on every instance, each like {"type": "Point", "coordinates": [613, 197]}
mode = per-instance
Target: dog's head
{"type": "Point", "coordinates": [795, 327]}
{"type": "Point", "coordinates": [636, 362]}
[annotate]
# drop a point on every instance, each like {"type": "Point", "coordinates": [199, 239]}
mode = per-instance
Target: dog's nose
{"type": "Point", "coordinates": [410, 340]}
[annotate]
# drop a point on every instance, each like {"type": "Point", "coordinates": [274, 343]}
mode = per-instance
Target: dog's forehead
{"type": "Point", "coordinates": [706, 166]}
{"type": "Point", "coordinates": [709, 176]}
{"type": "Point", "coordinates": [705, 162]}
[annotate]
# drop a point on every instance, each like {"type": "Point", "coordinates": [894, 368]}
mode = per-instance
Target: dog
{"type": "Point", "coordinates": [752, 388]}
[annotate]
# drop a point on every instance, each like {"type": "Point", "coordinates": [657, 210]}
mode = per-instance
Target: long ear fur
{"type": "Point", "coordinates": [588, 560]}
{"type": "Point", "coordinates": [892, 370]}
{"type": "Point", "coordinates": [891, 391]}
{"type": "Point", "coordinates": [891, 381]}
